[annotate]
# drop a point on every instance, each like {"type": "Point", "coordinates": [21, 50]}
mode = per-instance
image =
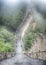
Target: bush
{"type": "Point", "coordinates": [5, 47]}
{"type": "Point", "coordinates": [6, 40]}
{"type": "Point", "coordinates": [12, 19]}
{"type": "Point", "coordinates": [29, 39]}
{"type": "Point", "coordinates": [6, 36]}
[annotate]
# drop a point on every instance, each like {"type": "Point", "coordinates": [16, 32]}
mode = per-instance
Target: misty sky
{"type": "Point", "coordinates": [28, 1]}
{"type": "Point", "coordinates": [15, 1]}
{"type": "Point", "coordinates": [41, 4]}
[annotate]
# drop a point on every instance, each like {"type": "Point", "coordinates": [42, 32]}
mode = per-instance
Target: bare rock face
{"type": "Point", "coordinates": [38, 50]}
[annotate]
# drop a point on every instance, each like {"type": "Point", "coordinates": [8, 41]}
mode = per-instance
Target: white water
{"type": "Point", "coordinates": [19, 44]}
{"type": "Point", "coordinates": [19, 50]}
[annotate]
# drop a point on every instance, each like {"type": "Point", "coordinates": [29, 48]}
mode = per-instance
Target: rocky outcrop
{"type": "Point", "coordinates": [6, 55]}
{"type": "Point", "coordinates": [38, 50]}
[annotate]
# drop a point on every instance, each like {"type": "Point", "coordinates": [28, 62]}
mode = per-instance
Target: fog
{"type": "Point", "coordinates": [39, 5]}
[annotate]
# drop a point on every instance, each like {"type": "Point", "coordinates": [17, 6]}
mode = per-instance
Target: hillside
{"type": "Point", "coordinates": [11, 17]}
{"type": "Point", "coordinates": [35, 37]}
{"type": "Point", "coordinates": [38, 50]}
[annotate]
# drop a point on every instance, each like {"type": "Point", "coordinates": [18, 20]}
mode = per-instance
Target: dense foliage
{"type": "Point", "coordinates": [6, 40]}
{"type": "Point", "coordinates": [10, 18]}
{"type": "Point", "coordinates": [29, 39]}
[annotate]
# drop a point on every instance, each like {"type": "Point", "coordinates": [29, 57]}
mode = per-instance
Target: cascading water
{"type": "Point", "coordinates": [19, 50]}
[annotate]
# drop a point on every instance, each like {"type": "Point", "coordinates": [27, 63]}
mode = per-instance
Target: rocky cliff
{"type": "Point", "coordinates": [38, 50]}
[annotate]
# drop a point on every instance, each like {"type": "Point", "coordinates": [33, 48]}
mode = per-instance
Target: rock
{"type": "Point", "coordinates": [39, 49]}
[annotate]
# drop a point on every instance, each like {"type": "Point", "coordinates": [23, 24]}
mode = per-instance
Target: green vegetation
{"type": "Point", "coordinates": [29, 39]}
{"type": "Point", "coordinates": [6, 40]}
{"type": "Point", "coordinates": [10, 19]}
{"type": "Point", "coordinates": [40, 21]}
{"type": "Point", "coordinates": [31, 34]}
{"type": "Point", "coordinates": [6, 47]}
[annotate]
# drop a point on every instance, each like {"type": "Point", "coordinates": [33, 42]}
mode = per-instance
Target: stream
{"type": "Point", "coordinates": [20, 58]}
